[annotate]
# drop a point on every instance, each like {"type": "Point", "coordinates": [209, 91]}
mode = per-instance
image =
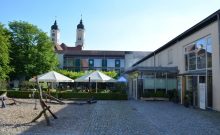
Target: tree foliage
{"type": "Point", "coordinates": [4, 53]}
{"type": "Point", "coordinates": [112, 74]}
{"type": "Point", "coordinates": [74, 75]}
{"type": "Point", "coordinates": [71, 74]}
{"type": "Point", "coordinates": [32, 51]}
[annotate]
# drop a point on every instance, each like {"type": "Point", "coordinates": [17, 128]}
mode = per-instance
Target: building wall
{"type": "Point", "coordinates": [83, 64]}
{"type": "Point", "coordinates": [178, 57]}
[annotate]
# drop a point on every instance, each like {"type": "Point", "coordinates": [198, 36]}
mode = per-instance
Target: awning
{"type": "Point", "coordinates": [197, 72]}
{"type": "Point", "coordinates": [153, 69]}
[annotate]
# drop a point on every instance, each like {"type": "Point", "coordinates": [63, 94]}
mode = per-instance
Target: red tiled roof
{"type": "Point", "coordinates": [77, 51]}
{"type": "Point", "coordinates": [63, 48]}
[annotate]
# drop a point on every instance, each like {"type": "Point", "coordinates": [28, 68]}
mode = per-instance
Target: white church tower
{"type": "Point", "coordinates": [55, 33]}
{"type": "Point", "coordinates": [80, 34]}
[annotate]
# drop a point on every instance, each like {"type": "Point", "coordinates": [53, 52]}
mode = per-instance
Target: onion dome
{"type": "Point", "coordinates": [80, 25]}
{"type": "Point", "coordinates": [54, 26]}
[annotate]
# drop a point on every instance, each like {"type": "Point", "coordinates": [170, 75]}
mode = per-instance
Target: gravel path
{"type": "Point", "coordinates": [111, 118]}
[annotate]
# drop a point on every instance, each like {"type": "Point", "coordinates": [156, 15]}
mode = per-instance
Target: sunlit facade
{"type": "Point", "coordinates": [189, 64]}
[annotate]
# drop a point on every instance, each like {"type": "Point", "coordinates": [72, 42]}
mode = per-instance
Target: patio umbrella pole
{"type": "Point", "coordinates": [96, 87]}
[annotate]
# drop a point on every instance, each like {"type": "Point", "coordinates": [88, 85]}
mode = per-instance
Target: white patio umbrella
{"type": "Point", "coordinates": [51, 76]}
{"type": "Point", "coordinates": [95, 76]}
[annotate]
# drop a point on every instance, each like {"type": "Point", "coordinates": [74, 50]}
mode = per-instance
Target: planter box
{"type": "Point", "coordinates": [154, 99]}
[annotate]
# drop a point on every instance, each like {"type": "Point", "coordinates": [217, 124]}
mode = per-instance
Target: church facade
{"type": "Point", "coordinates": [78, 59]}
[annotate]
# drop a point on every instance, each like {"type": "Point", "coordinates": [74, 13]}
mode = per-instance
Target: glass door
{"type": "Point", "coordinates": [192, 89]}
{"type": "Point", "coordinates": [209, 91]}
{"type": "Point", "coordinates": [202, 92]}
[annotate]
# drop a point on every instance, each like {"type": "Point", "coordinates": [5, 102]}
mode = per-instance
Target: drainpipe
{"type": "Point", "coordinates": [154, 73]}
{"type": "Point", "coordinates": [218, 17]}
{"type": "Point", "coordinates": [206, 79]}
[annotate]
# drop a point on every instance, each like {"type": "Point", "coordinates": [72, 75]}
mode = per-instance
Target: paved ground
{"type": "Point", "coordinates": [123, 118]}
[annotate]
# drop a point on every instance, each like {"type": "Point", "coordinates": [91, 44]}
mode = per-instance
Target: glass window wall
{"type": "Point", "coordinates": [209, 52]}
{"type": "Point", "coordinates": [159, 82]}
{"type": "Point", "coordinates": [198, 55]}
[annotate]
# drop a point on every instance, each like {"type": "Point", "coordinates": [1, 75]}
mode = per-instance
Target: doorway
{"type": "Point", "coordinates": [192, 89]}
{"type": "Point", "coordinates": [202, 92]}
{"type": "Point", "coordinates": [198, 91]}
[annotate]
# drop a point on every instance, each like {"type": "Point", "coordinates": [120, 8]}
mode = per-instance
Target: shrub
{"type": "Point", "coordinates": [98, 96]}
{"type": "Point", "coordinates": [26, 85]}
{"type": "Point", "coordinates": [20, 94]}
{"type": "Point", "coordinates": [120, 86]}
{"type": "Point", "coordinates": [68, 95]}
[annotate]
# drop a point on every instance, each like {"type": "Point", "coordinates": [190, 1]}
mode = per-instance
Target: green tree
{"type": "Point", "coordinates": [112, 74]}
{"type": "Point", "coordinates": [71, 74]}
{"type": "Point", "coordinates": [74, 75]}
{"type": "Point", "coordinates": [32, 51]}
{"type": "Point", "coordinates": [4, 53]}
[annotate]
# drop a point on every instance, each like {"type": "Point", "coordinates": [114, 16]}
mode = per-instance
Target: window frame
{"type": "Point", "coordinates": [189, 50]}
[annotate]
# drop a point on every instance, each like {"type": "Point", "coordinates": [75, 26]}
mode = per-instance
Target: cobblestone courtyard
{"type": "Point", "coordinates": [122, 118]}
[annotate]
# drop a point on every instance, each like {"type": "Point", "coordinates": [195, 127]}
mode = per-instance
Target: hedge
{"type": "Point", "coordinates": [69, 95]}
{"type": "Point", "coordinates": [98, 96]}
{"type": "Point", "coordinates": [18, 94]}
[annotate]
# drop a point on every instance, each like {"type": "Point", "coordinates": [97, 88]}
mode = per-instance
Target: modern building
{"type": "Point", "coordinates": [77, 59]}
{"type": "Point", "coordinates": [188, 63]}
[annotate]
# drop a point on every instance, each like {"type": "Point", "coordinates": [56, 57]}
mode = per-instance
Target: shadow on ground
{"type": "Point", "coordinates": [130, 118]}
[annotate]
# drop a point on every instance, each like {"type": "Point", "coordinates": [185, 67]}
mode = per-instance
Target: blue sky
{"type": "Point", "coordinates": [140, 25]}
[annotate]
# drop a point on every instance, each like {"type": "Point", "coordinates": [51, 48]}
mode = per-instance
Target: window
{"type": "Point", "coordinates": [91, 64]}
{"type": "Point", "coordinates": [77, 62]}
{"type": "Point", "coordinates": [117, 63]}
{"type": "Point", "coordinates": [104, 63]}
{"type": "Point", "coordinates": [68, 62]}
{"type": "Point", "coordinates": [53, 34]}
{"type": "Point", "coordinates": [77, 65]}
{"type": "Point", "coordinates": [209, 52]}
{"type": "Point", "coordinates": [186, 62]}
{"type": "Point", "coordinates": [170, 56]}
{"type": "Point", "coordinates": [192, 61]}
{"type": "Point", "coordinates": [201, 59]}
{"type": "Point", "coordinates": [199, 54]}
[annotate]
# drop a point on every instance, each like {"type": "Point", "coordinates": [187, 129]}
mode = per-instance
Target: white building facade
{"type": "Point", "coordinates": [192, 60]}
